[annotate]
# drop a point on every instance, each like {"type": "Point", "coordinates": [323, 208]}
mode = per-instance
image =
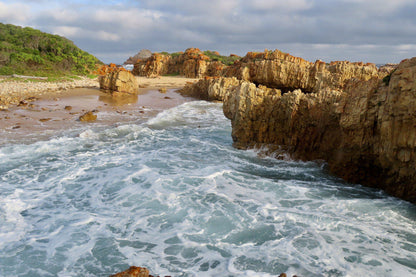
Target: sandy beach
{"type": "Point", "coordinates": [43, 108]}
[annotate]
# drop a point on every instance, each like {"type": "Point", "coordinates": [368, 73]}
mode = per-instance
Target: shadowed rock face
{"type": "Point", "coordinates": [362, 127]}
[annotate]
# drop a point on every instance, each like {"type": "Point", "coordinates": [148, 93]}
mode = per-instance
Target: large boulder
{"type": "Point", "coordinates": [119, 81]}
{"type": "Point", "coordinates": [141, 55]}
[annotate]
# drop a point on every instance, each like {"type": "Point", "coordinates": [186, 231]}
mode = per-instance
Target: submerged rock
{"type": "Point", "coordinates": [88, 117]}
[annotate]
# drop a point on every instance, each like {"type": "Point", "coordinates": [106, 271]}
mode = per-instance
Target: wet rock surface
{"type": "Point", "coordinates": [88, 117]}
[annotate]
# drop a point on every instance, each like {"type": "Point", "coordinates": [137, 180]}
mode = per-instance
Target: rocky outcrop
{"type": "Point", "coordinates": [210, 88]}
{"type": "Point", "coordinates": [274, 69]}
{"type": "Point", "coordinates": [366, 133]}
{"type": "Point", "coordinates": [192, 64]}
{"type": "Point", "coordinates": [156, 65]}
{"type": "Point", "coordinates": [118, 81]}
{"type": "Point", "coordinates": [280, 70]}
{"type": "Point", "coordinates": [141, 55]}
{"type": "Point", "coordinates": [379, 133]}
{"type": "Point", "coordinates": [363, 125]}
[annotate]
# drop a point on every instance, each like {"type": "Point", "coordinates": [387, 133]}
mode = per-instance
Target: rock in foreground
{"type": "Point", "coordinates": [133, 271]}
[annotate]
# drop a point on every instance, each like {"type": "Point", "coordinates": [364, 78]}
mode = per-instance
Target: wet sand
{"type": "Point", "coordinates": [43, 117]}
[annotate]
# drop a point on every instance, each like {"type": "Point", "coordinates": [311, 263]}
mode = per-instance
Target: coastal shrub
{"type": "Point", "coordinates": [215, 56]}
{"type": "Point", "coordinates": [32, 52]}
{"type": "Point", "coordinates": [176, 54]}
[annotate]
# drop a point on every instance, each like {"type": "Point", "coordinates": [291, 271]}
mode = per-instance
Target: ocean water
{"type": "Point", "coordinates": [171, 193]}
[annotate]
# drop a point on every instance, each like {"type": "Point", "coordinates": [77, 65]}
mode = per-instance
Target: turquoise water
{"type": "Point", "coordinates": [173, 195]}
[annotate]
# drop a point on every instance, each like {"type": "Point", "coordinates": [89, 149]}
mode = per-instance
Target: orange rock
{"type": "Point", "coordinates": [133, 271]}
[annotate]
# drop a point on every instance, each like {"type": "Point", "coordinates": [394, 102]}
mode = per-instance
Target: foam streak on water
{"type": "Point", "coordinates": [172, 194]}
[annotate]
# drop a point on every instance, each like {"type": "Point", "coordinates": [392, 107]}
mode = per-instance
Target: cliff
{"type": "Point", "coordinates": [280, 70]}
{"type": "Point", "coordinates": [348, 115]}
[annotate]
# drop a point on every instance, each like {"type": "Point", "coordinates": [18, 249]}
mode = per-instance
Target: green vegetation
{"type": "Point", "coordinates": [227, 60]}
{"type": "Point", "coordinates": [27, 51]}
{"type": "Point", "coordinates": [176, 54]}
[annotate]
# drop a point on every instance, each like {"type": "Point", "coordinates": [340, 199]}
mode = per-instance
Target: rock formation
{"type": "Point", "coordinates": [276, 69]}
{"type": "Point", "coordinates": [141, 55]}
{"type": "Point", "coordinates": [210, 88]}
{"type": "Point", "coordinates": [362, 124]}
{"type": "Point", "coordinates": [118, 81]}
{"type": "Point", "coordinates": [192, 64]}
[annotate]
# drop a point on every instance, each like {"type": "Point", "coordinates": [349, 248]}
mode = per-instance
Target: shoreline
{"type": "Point", "coordinates": [41, 113]}
{"type": "Point", "coordinates": [13, 92]}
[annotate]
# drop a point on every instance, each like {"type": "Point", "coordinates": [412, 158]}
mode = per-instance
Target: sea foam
{"type": "Point", "coordinates": [173, 195]}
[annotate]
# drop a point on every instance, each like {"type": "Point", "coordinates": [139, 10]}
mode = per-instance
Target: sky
{"type": "Point", "coordinates": [378, 31]}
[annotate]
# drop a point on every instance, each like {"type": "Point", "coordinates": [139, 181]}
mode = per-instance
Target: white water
{"type": "Point", "coordinates": [173, 195]}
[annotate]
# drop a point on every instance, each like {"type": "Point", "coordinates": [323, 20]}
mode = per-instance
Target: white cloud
{"type": "Point", "coordinates": [63, 15]}
{"type": "Point", "coordinates": [132, 18]}
{"type": "Point", "coordinates": [77, 32]}
{"type": "Point", "coordinates": [279, 5]}
{"type": "Point", "coordinates": [14, 13]}
{"type": "Point", "coordinates": [369, 30]}
{"type": "Point", "coordinates": [380, 7]}
{"type": "Point", "coordinates": [67, 31]}
{"type": "Point", "coordinates": [106, 36]}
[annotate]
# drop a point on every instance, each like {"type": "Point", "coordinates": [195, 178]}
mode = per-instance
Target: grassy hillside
{"type": "Point", "coordinates": [28, 51]}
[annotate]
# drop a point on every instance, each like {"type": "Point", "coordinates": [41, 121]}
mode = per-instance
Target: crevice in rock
{"type": "Point", "coordinates": [283, 89]}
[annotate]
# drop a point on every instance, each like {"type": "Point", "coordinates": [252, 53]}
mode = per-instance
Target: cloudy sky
{"type": "Point", "coordinates": [378, 31]}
